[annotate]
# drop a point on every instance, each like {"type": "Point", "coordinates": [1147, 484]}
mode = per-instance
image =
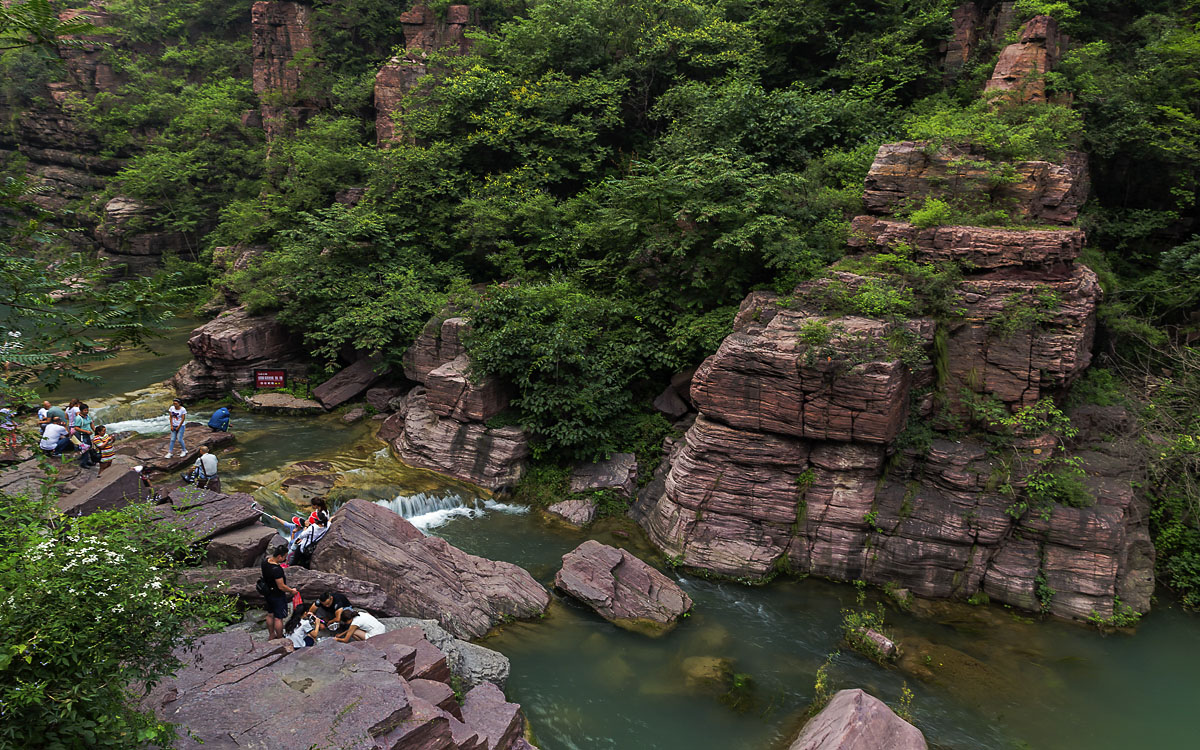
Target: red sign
{"type": "Point", "coordinates": [270, 378]}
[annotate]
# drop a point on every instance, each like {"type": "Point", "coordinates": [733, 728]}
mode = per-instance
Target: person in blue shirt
{"type": "Point", "coordinates": [220, 420]}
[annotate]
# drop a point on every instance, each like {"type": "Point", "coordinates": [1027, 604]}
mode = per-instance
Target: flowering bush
{"type": "Point", "coordinates": [91, 617]}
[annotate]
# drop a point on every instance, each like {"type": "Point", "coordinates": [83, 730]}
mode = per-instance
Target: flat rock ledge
{"type": "Point", "coordinates": [391, 692]}
{"type": "Point", "coordinates": [278, 403]}
{"type": "Point", "coordinates": [622, 589]}
{"type": "Point", "coordinates": [855, 720]}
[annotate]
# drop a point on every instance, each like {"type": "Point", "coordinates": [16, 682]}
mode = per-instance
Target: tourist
{"type": "Point", "coordinates": [318, 507]}
{"type": "Point", "coordinates": [83, 431]}
{"type": "Point", "coordinates": [359, 626]}
{"type": "Point", "coordinates": [301, 549]}
{"type": "Point", "coordinates": [299, 629]}
{"type": "Point", "coordinates": [177, 417]}
{"type": "Point", "coordinates": [44, 416]}
{"type": "Point", "coordinates": [8, 424]}
{"type": "Point", "coordinates": [56, 439]}
{"type": "Point", "coordinates": [220, 420]}
{"type": "Point", "coordinates": [204, 471]}
{"type": "Point", "coordinates": [105, 446]}
{"type": "Point", "coordinates": [72, 411]}
{"type": "Point", "coordinates": [278, 592]}
{"type": "Point", "coordinates": [328, 607]}
{"type": "Point", "coordinates": [292, 527]}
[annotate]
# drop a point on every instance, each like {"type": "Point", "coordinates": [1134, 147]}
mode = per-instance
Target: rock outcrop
{"type": "Point", "coordinates": [426, 577]}
{"type": "Point", "coordinates": [802, 458]}
{"type": "Point", "coordinates": [1020, 72]}
{"type": "Point", "coordinates": [205, 514]}
{"type": "Point", "coordinates": [622, 589]}
{"type": "Point", "coordinates": [349, 383]}
{"type": "Point", "coordinates": [424, 32]}
{"type": "Point", "coordinates": [227, 350]}
{"type": "Point", "coordinates": [618, 473]}
{"type": "Point", "coordinates": [443, 425]}
{"type": "Point", "coordinates": [279, 32]}
{"type": "Point", "coordinates": [855, 720]}
{"type": "Point", "coordinates": [235, 693]}
{"type": "Point", "coordinates": [311, 584]}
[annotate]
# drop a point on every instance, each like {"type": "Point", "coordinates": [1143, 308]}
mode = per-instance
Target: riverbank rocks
{"type": "Point", "coordinates": [349, 382]}
{"type": "Point", "coordinates": [856, 720]}
{"type": "Point", "coordinates": [471, 662]}
{"type": "Point", "coordinates": [491, 457]}
{"type": "Point", "coordinates": [622, 589]}
{"type": "Point", "coordinates": [311, 584]}
{"type": "Point", "coordinates": [426, 577]}
{"type": "Point", "coordinates": [206, 514]}
{"type": "Point", "coordinates": [579, 511]}
{"type": "Point", "coordinates": [149, 451]}
{"type": "Point", "coordinates": [619, 474]}
{"type": "Point", "coordinates": [451, 392]}
{"type": "Point", "coordinates": [116, 488]}
{"type": "Point", "coordinates": [235, 693]}
{"type": "Point", "coordinates": [240, 548]}
{"type": "Point", "coordinates": [227, 349]}
{"type": "Point", "coordinates": [441, 341]}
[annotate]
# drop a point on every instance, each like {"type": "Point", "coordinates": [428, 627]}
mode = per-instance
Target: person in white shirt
{"type": "Point", "coordinates": [44, 416]}
{"type": "Point", "coordinates": [177, 416]}
{"type": "Point", "coordinates": [204, 471]}
{"type": "Point", "coordinates": [299, 631]}
{"type": "Point", "coordinates": [302, 544]}
{"type": "Point", "coordinates": [359, 626]}
{"type": "Point", "coordinates": [56, 439]}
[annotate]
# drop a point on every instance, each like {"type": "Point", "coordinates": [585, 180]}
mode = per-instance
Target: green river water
{"type": "Point", "coordinates": [992, 679]}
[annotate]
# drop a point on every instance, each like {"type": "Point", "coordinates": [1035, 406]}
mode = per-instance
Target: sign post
{"type": "Point", "coordinates": [266, 379]}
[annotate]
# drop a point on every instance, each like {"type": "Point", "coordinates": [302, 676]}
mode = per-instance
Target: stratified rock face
{"type": "Point", "coordinates": [423, 32]}
{"type": "Point", "coordinates": [229, 348]}
{"type": "Point", "coordinates": [904, 173]}
{"type": "Point", "coordinates": [966, 20]}
{"type": "Point", "coordinates": [450, 392]}
{"type": "Point", "coordinates": [235, 693]}
{"type": "Point", "coordinates": [1020, 72]}
{"type": "Point", "coordinates": [855, 720]}
{"type": "Point", "coordinates": [621, 588]}
{"type": "Point", "coordinates": [426, 576]}
{"type": "Point", "coordinates": [279, 31]}
{"type": "Point", "coordinates": [768, 379]}
{"type": "Point", "coordinates": [491, 457]}
{"type": "Point", "coordinates": [982, 248]}
{"type": "Point", "coordinates": [439, 343]}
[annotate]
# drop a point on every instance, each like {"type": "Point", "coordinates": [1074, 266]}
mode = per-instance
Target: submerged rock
{"type": "Point", "coordinates": [426, 577]}
{"type": "Point", "coordinates": [855, 720]}
{"type": "Point", "coordinates": [622, 589]}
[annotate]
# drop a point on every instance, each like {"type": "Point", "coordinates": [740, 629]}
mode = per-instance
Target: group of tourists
{"type": "Point", "coordinates": [74, 430]}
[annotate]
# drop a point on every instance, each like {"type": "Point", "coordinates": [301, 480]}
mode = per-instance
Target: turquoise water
{"type": "Point", "coordinates": [993, 680]}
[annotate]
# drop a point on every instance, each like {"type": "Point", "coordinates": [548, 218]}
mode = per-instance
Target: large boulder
{"type": "Point", "coordinates": [426, 577]}
{"type": "Point", "coordinates": [349, 382]}
{"type": "Point", "coordinates": [227, 349]}
{"type": "Point", "coordinates": [239, 548]}
{"type": "Point", "coordinates": [855, 720]}
{"type": "Point", "coordinates": [440, 342]}
{"type": "Point", "coordinates": [206, 514]}
{"type": "Point", "coordinates": [451, 392]}
{"type": "Point", "coordinates": [149, 451]}
{"type": "Point", "coordinates": [471, 662]}
{"type": "Point", "coordinates": [491, 457]}
{"type": "Point", "coordinates": [618, 473]}
{"type": "Point", "coordinates": [118, 486]}
{"type": "Point", "coordinates": [621, 588]}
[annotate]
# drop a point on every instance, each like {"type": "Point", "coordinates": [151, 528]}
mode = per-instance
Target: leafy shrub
{"type": "Point", "coordinates": [934, 213]}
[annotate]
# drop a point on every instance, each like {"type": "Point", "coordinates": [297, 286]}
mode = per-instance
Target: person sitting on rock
{"type": "Point", "coordinates": [56, 440]}
{"type": "Point", "coordinates": [359, 626]}
{"type": "Point", "coordinates": [220, 420]}
{"type": "Point", "coordinates": [328, 607]}
{"type": "Point", "coordinates": [279, 593]}
{"type": "Point", "coordinates": [204, 471]}
{"type": "Point", "coordinates": [300, 628]}
{"type": "Point", "coordinates": [44, 416]}
{"type": "Point", "coordinates": [105, 446]}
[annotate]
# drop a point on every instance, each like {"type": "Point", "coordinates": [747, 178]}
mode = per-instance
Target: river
{"type": "Point", "coordinates": [995, 679]}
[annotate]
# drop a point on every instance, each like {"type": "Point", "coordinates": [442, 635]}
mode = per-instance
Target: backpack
{"type": "Point", "coordinates": [262, 587]}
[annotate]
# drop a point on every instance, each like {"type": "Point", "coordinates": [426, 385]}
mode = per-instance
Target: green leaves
{"type": "Point", "coordinates": [35, 23]}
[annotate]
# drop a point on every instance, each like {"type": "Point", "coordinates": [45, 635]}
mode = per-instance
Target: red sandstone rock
{"type": "Point", "coordinates": [240, 548]}
{"type": "Point", "coordinates": [426, 576]}
{"type": "Point", "coordinates": [229, 348]}
{"type": "Point", "coordinates": [489, 457]}
{"type": "Point", "coordinates": [349, 382]}
{"type": "Point", "coordinates": [279, 32]}
{"type": "Point", "coordinates": [622, 589]}
{"type": "Point", "coordinates": [116, 488]}
{"type": "Point", "coordinates": [577, 512]}
{"type": "Point", "coordinates": [972, 247]}
{"type": "Point", "coordinates": [451, 392]}
{"type": "Point", "coordinates": [486, 709]}
{"type": "Point", "coordinates": [440, 342]}
{"type": "Point", "coordinates": [855, 720]}
{"type": "Point", "coordinates": [1020, 72]}
{"type": "Point", "coordinates": [240, 582]}
{"type": "Point", "coordinates": [965, 23]}
{"type": "Point", "coordinates": [619, 473]}
{"type": "Point", "coordinates": [904, 173]}
{"type": "Point", "coordinates": [771, 381]}
{"type": "Point", "coordinates": [206, 514]}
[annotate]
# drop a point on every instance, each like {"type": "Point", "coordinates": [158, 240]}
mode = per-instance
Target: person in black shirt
{"type": "Point", "coordinates": [329, 608]}
{"type": "Point", "coordinates": [280, 593]}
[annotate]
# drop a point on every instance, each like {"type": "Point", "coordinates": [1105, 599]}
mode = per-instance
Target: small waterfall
{"type": "Point", "coordinates": [427, 511]}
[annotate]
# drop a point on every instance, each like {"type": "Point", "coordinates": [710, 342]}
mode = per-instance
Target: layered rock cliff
{"type": "Point", "coordinates": [804, 456]}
